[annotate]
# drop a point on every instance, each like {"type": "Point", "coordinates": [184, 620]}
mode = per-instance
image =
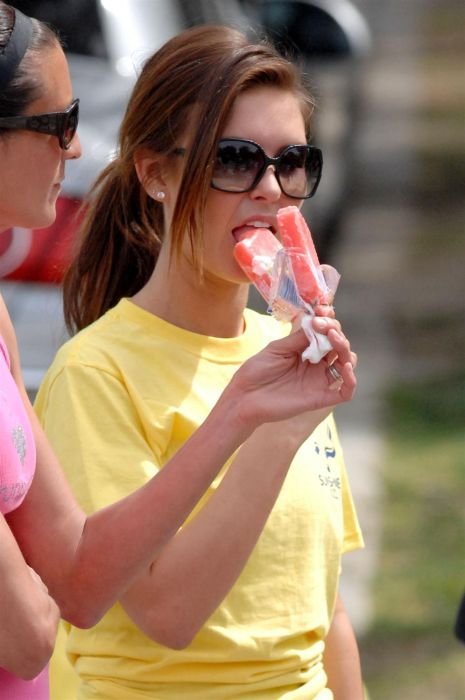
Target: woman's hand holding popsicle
{"type": "Point", "coordinates": [275, 384]}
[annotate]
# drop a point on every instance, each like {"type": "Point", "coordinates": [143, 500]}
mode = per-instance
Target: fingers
{"type": "Point", "coordinates": [349, 382]}
{"type": "Point", "coordinates": [325, 310]}
{"type": "Point", "coordinates": [297, 320]}
{"type": "Point", "coordinates": [323, 324]}
{"type": "Point", "coordinates": [341, 345]}
{"type": "Point", "coordinates": [341, 360]}
{"type": "Point", "coordinates": [295, 342]}
{"type": "Point", "coordinates": [335, 378]}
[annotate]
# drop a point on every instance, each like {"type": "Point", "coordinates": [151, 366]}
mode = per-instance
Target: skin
{"type": "Point", "coordinates": [67, 559]}
{"type": "Point", "coordinates": [255, 115]}
{"type": "Point", "coordinates": [28, 199]}
{"type": "Point", "coordinates": [29, 193]}
{"type": "Point", "coordinates": [341, 658]}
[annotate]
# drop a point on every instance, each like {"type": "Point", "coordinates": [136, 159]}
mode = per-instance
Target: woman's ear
{"type": "Point", "coordinates": [149, 169]}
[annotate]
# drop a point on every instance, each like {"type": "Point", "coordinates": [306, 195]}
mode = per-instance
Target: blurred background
{"type": "Point", "coordinates": [402, 300]}
{"type": "Point", "coordinates": [389, 78]}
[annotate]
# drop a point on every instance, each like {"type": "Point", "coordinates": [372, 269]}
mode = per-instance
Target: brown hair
{"type": "Point", "coordinates": [190, 84]}
{"type": "Point", "coordinates": [25, 85]}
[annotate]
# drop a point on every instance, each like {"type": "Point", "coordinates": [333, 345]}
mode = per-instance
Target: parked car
{"type": "Point", "coordinates": [106, 42]}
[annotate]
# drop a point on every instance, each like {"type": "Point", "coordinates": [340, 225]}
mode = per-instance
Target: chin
{"type": "Point", "coordinates": [45, 218]}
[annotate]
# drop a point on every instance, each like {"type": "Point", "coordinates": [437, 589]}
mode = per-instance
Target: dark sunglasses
{"type": "Point", "coordinates": [60, 124]}
{"type": "Point", "coordinates": [240, 164]}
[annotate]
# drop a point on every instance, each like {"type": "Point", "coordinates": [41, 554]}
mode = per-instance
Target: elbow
{"type": "Point", "coordinates": [172, 632]}
{"type": "Point", "coordinates": [176, 634]}
{"type": "Point", "coordinates": [168, 633]}
{"type": "Point", "coordinates": [81, 610]}
{"type": "Point", "coordinates": [81, 616]}
{"type": "Point", "coordinates": [32, 658]}
{"type": "Point", "coordinates": [33, 665]}
{"type": "Point", "coordinates": [82, 605]}
{"type": "Point", "coordinates": [178, 639]}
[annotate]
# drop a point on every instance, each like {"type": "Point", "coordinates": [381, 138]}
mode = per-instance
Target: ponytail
{"type": "Point", "coordinates": [120, 238]}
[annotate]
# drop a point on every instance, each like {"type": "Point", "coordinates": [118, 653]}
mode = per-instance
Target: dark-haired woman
{"type": "Point", "coordinates": [53, 558]}
{"type": "Point", "coordinates": [243, 602]}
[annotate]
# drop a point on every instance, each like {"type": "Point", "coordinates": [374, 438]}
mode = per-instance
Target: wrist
{"type": "Point", "coordinates": [223, 429]}
{"type": "Point", "coordinates": [234, 416]}
{"type": "Point", "coordinates": [298, 428]}
{"type": "Point", "coordinates": [280, 437]}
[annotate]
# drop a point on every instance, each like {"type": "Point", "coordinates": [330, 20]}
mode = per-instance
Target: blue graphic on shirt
{"type": "Point", "coordinates": [328, 475]}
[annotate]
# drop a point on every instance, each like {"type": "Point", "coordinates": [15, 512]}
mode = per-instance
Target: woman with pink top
{"type": "Point", "coordinates": [54, 560]}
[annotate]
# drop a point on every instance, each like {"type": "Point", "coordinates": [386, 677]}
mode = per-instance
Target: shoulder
{"type": "Point", "coordinates": [8, 335]}
{"type": "Point", "coordinates": [6, 326]}
{"type": "Point", "coordinates": [96, 343]}
{"type": "Point", "coordinates": [101, 348]}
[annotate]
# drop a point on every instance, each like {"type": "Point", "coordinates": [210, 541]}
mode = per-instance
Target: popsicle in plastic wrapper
{"type": "Point", "coordinates": [289, 277]}
{"type": "Point", "coordinates": [315, 283]}
{"type": "Point", "coordinates": [308, 274]}
{"type": "Point", "coordinates": [256, 254]}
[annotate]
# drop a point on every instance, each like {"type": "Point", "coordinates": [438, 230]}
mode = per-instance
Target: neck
{"type": "Point", "coordinates": [206, 307]}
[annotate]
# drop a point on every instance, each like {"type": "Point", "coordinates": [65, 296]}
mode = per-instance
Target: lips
{"type": "Point", "coordinates": [243, 231]}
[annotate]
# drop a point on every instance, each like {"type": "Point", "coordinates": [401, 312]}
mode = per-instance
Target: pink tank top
{"type": "Point", "coordinates": [14, 688]}
{"type": "Point", "coordinates": [17, 465]}
{"type": "Point", "coordinates": [17, 449]}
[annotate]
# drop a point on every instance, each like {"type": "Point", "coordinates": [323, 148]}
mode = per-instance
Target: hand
{"type": "Point", "coordinates": [276, 384]}
{"type": "Point", "coordinates": [332, 358]}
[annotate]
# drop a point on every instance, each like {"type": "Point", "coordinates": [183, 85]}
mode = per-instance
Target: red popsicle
{"type": "Point", "coordinates": [255, 253]}
{"type": "Point", "coordinates": [297, 239]}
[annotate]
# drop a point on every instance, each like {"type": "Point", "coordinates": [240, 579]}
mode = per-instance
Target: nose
{"type": "Point", "coordinates": [74, 151]}
{"type": "Point", "coordinates": [268, 186]}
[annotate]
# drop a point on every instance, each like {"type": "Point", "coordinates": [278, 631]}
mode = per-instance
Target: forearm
{"type": "Point", "coordinates": [199, 566]}
{"type": "Point", "coordinates": [89, 563]}
{"type": "Point", "coordinates": [117, 544]}
{"type": "Point", "coordinates": [28, 615]}
{"type": "Point", "coordinates": [341, 658]}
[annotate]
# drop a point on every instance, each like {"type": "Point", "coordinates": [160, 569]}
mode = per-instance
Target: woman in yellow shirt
{"type": "Point", "coordinates": [242, 603]}
{"type": "Point", "coordinates": [53, 557]}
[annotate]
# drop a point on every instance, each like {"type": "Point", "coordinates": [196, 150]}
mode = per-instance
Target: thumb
{"type": "Point", "coordinates": [295, 342]}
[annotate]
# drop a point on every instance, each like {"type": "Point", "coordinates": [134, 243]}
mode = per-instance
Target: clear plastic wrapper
{"type": "Point", "coordinates": [286, 303]}
{"type": "Point", "coordinates": [289, 275]}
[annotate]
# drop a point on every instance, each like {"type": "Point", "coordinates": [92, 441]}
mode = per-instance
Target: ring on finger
{"type": "Point", "coordinates": [334, 373]}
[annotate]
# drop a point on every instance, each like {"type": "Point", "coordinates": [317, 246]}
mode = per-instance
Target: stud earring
{"type": "Point", "coordinates": [160, 195]}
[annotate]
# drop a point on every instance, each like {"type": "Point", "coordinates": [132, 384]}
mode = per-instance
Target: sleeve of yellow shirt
{"type": "Point", "coordinates": [97, 433]}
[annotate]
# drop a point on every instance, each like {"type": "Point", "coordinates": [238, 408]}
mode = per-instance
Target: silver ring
{"type": "Point", "coordinates": [335, 374]}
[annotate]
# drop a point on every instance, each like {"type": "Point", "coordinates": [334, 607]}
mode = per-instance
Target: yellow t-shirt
{"type": "Point", "coordinates": [118, 401]}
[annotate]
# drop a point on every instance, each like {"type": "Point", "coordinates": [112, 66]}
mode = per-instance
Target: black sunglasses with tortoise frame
{"type": "Point", "coordinates": [63, 125]}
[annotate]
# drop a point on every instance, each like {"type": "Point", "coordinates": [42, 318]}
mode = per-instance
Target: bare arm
{"type": "Point", "coordinates": [201, 563]}
{"type": "Point", "coordinates": [88, 563]}
{"type": "Point", "coordinates": [341, 657]}
{"type": "Point", "coordinates": [28, 615]}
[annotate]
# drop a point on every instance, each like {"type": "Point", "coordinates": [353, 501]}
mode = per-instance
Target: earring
{"type": "Point", "coordinates": [160, 195]}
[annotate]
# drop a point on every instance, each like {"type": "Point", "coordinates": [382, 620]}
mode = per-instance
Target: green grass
{"type": "Point", "coordinates": [410, 651]}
